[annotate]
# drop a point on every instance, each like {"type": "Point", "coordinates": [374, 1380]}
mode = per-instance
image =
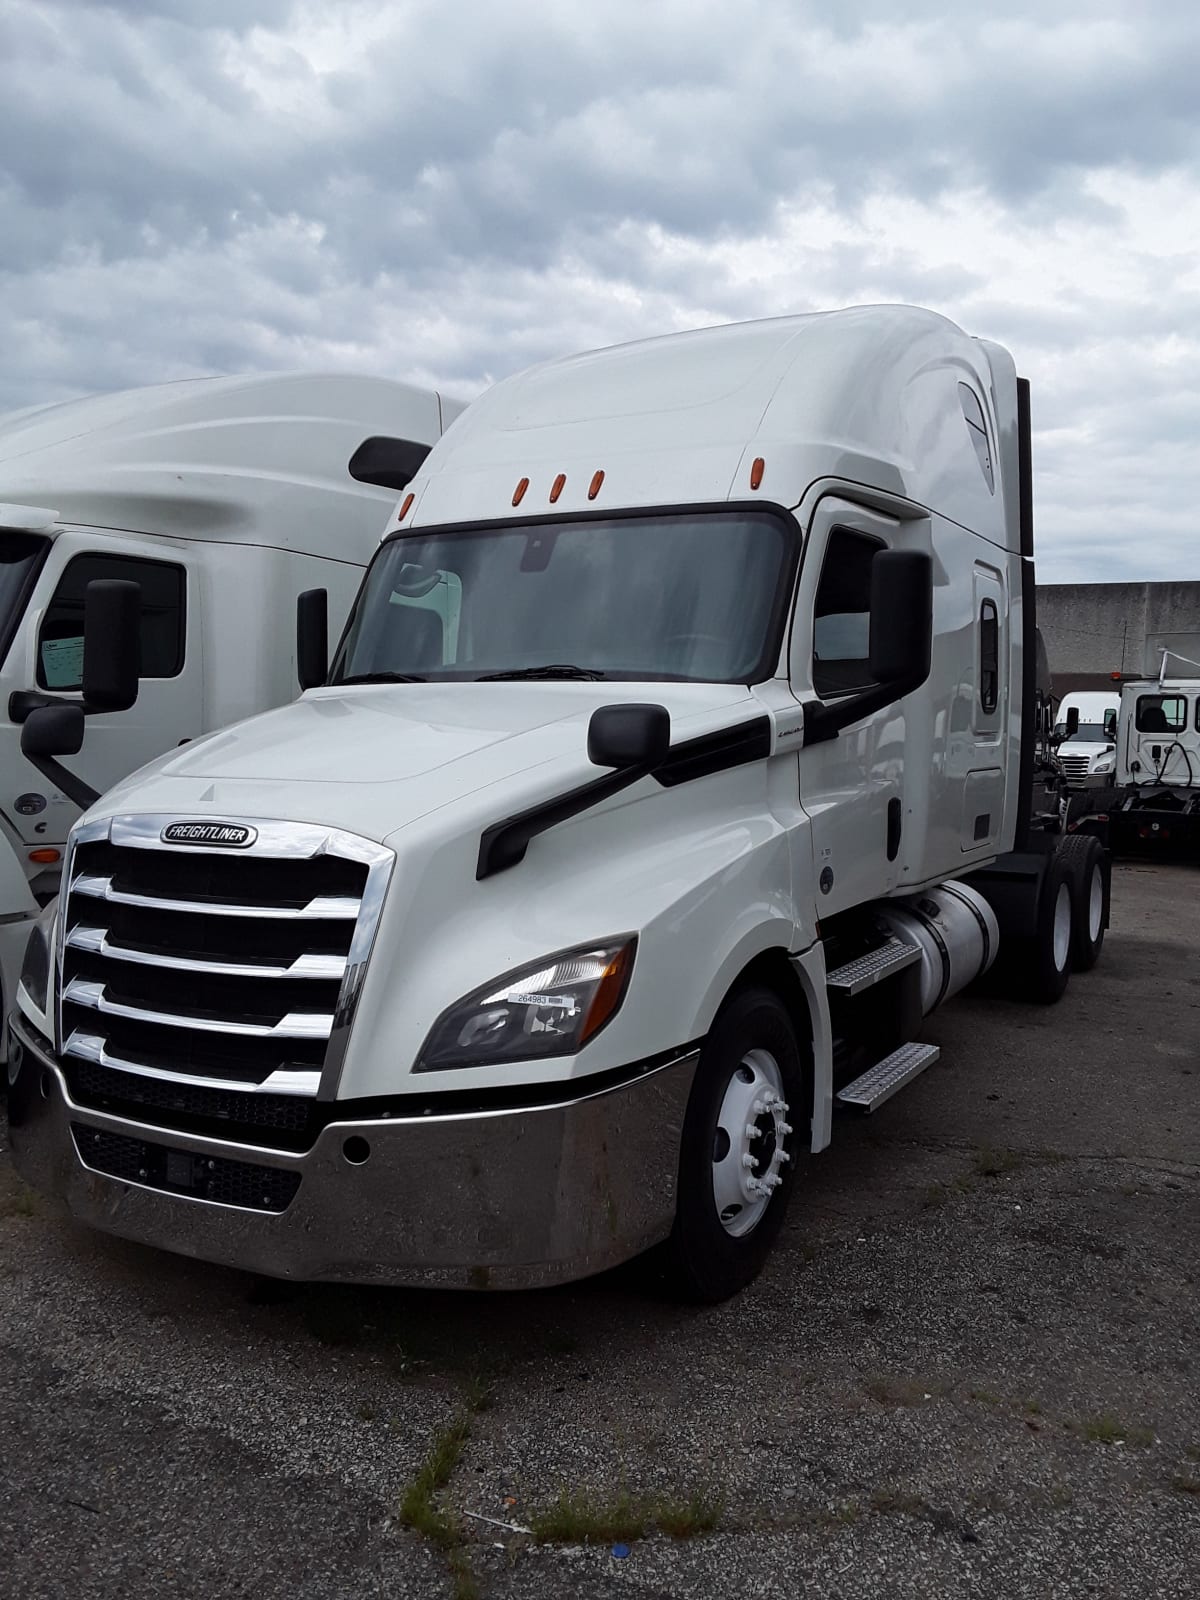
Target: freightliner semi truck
{"type": "Point", "coordinates": [222, 499]}
{"type": "Point", "coordinates": [675, 763]}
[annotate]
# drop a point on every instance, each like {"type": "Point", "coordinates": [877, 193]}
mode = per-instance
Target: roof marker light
{"type": "Point", "coordinates": [756, 472]}
{"type": "Point", "coordinates": [556, 488]}
{"type": "Point", "coordinates": [519, 491]}
{"type": "Point", "coordinates": [406, 505]}
{"type": "Point", "coordinates": [594, 486]}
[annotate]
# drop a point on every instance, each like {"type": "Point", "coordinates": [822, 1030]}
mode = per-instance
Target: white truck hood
{"type": "Point", "coordinates": [375, 759]}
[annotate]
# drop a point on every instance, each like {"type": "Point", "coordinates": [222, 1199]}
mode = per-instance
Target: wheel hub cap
{"type": "Point", "coordinates": [748, 1149]}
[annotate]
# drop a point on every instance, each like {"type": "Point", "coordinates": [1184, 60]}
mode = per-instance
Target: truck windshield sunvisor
{"type": "Point", "coordinates": [21, 557]}
{"type": "Point", "coordinates": [692, 596]}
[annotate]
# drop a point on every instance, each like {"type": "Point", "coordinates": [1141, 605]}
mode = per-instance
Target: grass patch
{"type": "Point", "coordinates": [985, 1397]}
{"type": "Point", "coordinates": [937, 1194]}
{"type": "Point", "coordinates": [19, 1204]}
{"type": "Point", "coordinates": [991, 1163]}
{"type": "Point", "coordinates": [895, 1502]}
{"type": "Point", "coordinates": [888, 1391]}
{"type": "Point", "coordinates": [418, 1508]}
{"type": "Point", "coordinates": [1108, 1429]}
{"type": "Point", "coordinates": [580, 1517]}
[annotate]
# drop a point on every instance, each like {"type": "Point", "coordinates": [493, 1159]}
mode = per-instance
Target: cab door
{"type": "Point", "coordinates": [852, 786]}
{"type": "Point", "coordinates": [169, 707]}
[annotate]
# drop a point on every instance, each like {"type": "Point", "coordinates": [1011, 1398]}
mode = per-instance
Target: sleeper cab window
{"type": "Point", "coordinates": [842, 614]}
{"type": "Point", "coordinates": [989, 656]}
{"type": "Point", "coordinates": [60, 638]}
{"type": "Point", "coordinates": [973, 413]}
{"type": "Point", "coordinates": [1161, 713]}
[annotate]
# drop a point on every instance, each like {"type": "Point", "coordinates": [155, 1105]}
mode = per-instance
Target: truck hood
{"type": "Point", "coordinates": [374, 760]}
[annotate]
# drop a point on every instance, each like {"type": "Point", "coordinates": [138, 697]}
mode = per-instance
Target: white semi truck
{"type": "Point", "coordinates": [1156, 807]}
{"type": "Point", "coordinates": [675, 763]}
{"type": "Point", "coordinates": [1087, 740]}
{"type": "Point", "coordinates": [222, 498]}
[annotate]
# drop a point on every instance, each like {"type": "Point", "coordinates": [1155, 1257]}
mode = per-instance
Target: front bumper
{"type": "Point", "coordinates": [506, 1199]}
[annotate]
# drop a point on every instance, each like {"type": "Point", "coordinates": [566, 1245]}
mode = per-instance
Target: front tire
{"type": "Point", "coordinates": [744, 1132]}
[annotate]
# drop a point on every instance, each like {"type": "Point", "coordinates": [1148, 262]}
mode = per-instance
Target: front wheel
{"type": "Point", "coordinates": [745, 1129]}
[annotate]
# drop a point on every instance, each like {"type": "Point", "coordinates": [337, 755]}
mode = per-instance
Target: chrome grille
{"type": "Point", "coordinates": [1074, 768]}
{"type": "Point", "coordinates": [229, 973]}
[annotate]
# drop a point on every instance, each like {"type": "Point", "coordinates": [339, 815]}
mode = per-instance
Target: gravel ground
{"type": "Point", "coordinates": [971, 1366]}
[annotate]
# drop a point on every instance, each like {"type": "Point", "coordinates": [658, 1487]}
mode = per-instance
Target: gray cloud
{"type": "Point", "coordinates": [449, 193]}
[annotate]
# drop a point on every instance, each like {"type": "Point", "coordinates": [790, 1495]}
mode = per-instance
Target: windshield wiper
{"type": "Point", "coordinates": [379, 677]}
{"type": "Point", "coordinates": [559, 671]}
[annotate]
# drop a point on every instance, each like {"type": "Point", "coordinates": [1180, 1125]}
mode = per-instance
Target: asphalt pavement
{"type": "Point", "coordinates": [972, 1367]}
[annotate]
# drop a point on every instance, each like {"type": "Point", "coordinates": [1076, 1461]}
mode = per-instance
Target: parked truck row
{"type": "Point", "coordinates": [222, 499]}
{"type": "Point", "coordinates": [684, 749]}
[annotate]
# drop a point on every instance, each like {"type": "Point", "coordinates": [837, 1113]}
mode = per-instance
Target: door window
{"type": "Point", "coordinates": [60, 639]}
{"type": "Point", "coordinates": [1161, 713]}
{"type": "Point", "coordinates": [842, 614]}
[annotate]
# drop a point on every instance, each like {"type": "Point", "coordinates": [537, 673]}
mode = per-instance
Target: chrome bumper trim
{"type": "Point", "coordinates": [503, 1199]}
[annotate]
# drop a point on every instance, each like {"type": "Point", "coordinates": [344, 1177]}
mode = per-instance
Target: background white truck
{"type": "Point", "coordinates": [1157, 803]}
{"type": "Point", "coordinates": [676, 761]}
{"type": "Point", "coordinates": [222, 498]}
{"type": "Point", "coordinates": [1087, 747]}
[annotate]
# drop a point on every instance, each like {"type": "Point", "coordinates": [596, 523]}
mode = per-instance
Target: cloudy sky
{"type": "Point", "coordinates": [449, 191]}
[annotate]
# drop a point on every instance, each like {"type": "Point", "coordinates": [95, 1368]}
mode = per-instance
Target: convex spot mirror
{"type": "Point", "coordinates": [53, 730]}
{"type": "Point", "coordinates": [629, 736]}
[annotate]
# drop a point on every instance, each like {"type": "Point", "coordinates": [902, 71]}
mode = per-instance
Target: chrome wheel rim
{"type": "Point", "coordinates": [1096, 903]}
{"type": "Point", "coordinates": [748, 1145]}
{"type": "Point", "coordinates": [1062, 926]}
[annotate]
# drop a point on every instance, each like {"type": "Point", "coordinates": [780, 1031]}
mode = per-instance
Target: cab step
{"type": "Point", "coordinates": [862, 973]}
{"type": "Point", "coordinates": [886, 1077]}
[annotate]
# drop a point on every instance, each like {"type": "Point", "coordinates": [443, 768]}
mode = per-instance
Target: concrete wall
{"type": "Point", "coordinates": [1095, 629]}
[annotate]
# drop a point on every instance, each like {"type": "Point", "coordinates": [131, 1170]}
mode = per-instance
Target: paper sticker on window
{"type": "Point", "coordinates": [62, 662]}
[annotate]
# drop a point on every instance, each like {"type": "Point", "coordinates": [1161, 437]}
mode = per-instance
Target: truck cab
{"type": "Point", "coordinates": [1087, 741]}
{"type": "Point", "coordinates": [1157, 806]}
{"type": "Point", "coordinates": [675, 762]}
{"type": "Point", "coordinates": [221, 499]}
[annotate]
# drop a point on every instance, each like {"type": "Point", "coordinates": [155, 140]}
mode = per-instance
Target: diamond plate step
{"type": "Point", "coordinates": [881, 1082]}
{"type": "Point", "coordinates": [858, 975]}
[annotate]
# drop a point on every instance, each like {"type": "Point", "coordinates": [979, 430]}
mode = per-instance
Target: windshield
{"type": "Point", "coordinates": [21, 554]}
{"type": "Point", "coordinates": [1087, 733]}
{"type": "Point", "coordinates": [698, 596]}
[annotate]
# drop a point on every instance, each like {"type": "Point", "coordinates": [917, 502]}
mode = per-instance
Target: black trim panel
{"type": "Point", "coordinates": [390, 463]}
{"type": "Point", "coordinates": [716, 752]}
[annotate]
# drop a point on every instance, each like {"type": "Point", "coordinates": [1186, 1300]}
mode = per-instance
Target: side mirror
{"type": "Point", "coordinates": [1072, 722]}
{"type": "Point", "coordinates": [312, 638]}
{"type": "Point", "coordinates": [53, 730]}
{"type": "Point", "coordinates": [629, 736]}
{"type": "Point", "coordinates": [901, 639]}
{"type": "Point", "coordinates": [112, 645]}
{"type": "Point", "coordinates": [900, 646]}
{"type": "Point", "coordinates": [1110, 724]}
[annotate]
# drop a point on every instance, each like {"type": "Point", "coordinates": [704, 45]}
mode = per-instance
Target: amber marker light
{"type": "Point", "coordinates": [406, 505]}
{"type": "Point", "coordinates": [45, 858]}
{"type": "Point", "coordinates": [556, 488]}
{"type": "Point", "coordinates": [610, 991]}
{"type": "Point", "coordinates": [519, 491]}
{"type": "Point", "coordinates": [594, 486]}
{"type": "Point", "coordinates": [756, 472]}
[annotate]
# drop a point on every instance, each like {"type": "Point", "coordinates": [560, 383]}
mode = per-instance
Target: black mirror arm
{"type": "Point", "coordinates": [824, 722]}
{"type": "Point", "coordinates": [58, 777]}
{"type": "Point", "coordinates": [504, 844]}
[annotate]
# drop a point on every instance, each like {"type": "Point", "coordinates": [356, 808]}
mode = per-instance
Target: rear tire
{"type": "Point", "coordinates": [1091, 881]}
{"type": "Point", "coordinates": [1043, 965]}
{"type": "Point", "coordinates": [750, 1075]}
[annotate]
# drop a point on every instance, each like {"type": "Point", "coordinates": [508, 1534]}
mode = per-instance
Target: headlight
{"type": "Point", "coordinates": [35, 967]}
{"type": "Point", "coordinates": [551, 1008]}
{"type": "Point", "coordinates": [1104, 766]}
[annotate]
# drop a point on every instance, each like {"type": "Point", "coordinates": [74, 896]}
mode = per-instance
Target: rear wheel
{"type": "Point", "coordinates": [1091, 885]}
{"type": "Point", "coordinates": [1044, 961]}
{"type": "Point", "coordinates": [739, 1151]}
